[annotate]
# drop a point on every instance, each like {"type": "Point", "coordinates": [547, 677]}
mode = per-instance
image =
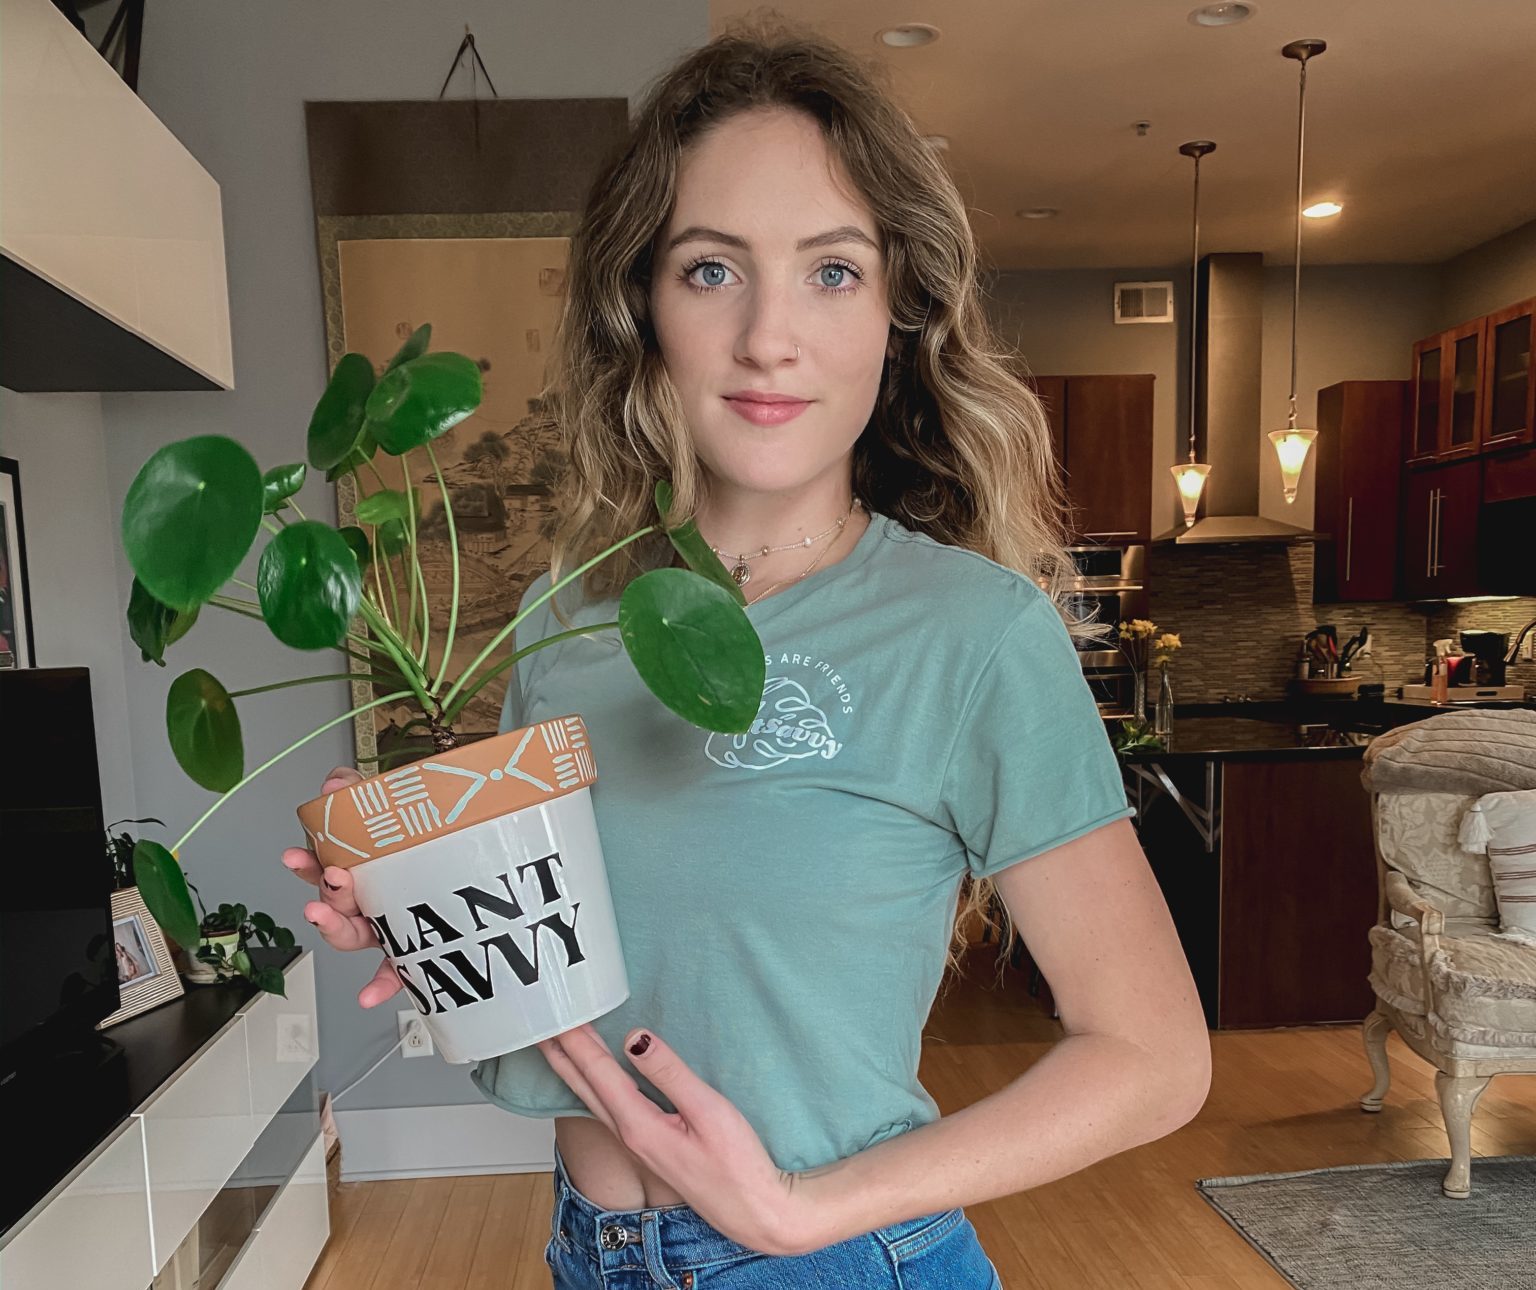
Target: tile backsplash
{"type": "Point", "coordinates": [1242, 611]}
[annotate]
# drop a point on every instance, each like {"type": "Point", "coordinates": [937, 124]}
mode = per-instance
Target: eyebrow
{"type": "Point", "coordinates": [832, 237]}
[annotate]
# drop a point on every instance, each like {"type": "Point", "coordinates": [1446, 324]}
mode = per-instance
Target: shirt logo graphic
{"type": "Point", "coordinates": [788, 725]}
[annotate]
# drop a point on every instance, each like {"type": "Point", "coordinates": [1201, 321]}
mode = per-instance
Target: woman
{"type": "Point", "coordinates": [776, 230]}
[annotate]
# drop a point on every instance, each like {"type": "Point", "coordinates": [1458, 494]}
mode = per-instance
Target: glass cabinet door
{"type": "Point", "coordinates": [1465, 420]}
{"type": "Point", "coordinates": [1427, 380]}
{"type": "Point", "coordinates": [1508, 384]}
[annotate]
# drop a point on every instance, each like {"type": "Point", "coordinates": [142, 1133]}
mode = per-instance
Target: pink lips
{"type": "Point", "coordinates": [767, 414]}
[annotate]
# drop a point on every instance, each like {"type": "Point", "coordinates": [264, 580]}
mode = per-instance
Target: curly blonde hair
{"type": "Point", "coordinates": [958, 446]}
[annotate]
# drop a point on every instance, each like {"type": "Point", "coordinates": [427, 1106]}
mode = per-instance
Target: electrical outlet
{"type": "Point", "coordinates": [413, 1030]}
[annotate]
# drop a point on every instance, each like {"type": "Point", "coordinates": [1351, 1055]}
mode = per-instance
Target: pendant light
{"type": "Point", "coordinates": [1190, 475]}
{"type": "Point", "coordinates": [1291, 444]}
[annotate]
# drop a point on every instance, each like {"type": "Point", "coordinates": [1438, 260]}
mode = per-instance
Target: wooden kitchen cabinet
{"type": "Point", "coordinates": [1448, 411]}
{"type": "Point", "coordinates": [1509, 377]}
{"type": "Point", "coordinates": [1440, 523]}
{"type": "Point", "coordinates": [1361, 426]}
{"type": "Point", "coordinates": [1429, 367]}
{"type": "Point", "coordinates": [1108, 434]}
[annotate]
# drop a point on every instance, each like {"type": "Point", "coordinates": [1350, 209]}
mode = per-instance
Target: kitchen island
{"type": "Point", "coordinates": [1259, 832]}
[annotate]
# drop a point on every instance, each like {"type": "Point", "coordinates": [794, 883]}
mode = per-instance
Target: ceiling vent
{"type": "Point", "coordinates": [1143, 302]}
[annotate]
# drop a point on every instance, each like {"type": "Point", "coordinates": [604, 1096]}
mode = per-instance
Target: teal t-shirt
{"type": "Point", "coordinates": [785, 897]}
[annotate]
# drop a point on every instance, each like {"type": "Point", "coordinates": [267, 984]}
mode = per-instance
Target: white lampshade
{"type": "Point", "coordinates": [1291, 446]}
{"type": "Point", "coordinates": [1190, 478]}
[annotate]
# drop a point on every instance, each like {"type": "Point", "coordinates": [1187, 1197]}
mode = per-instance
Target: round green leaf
{"type": "Point", "coordinates": [190, 516]}
{"type": "Point", "coordinates": [415, 347]}
{"type": "Point", "coordinates": [357, 543]}
{"type": "Point", "coordinates": [154, 626]}
{"type": "Point", "coordinates": [164, 889]}
{"type": "Point", "coordinates": [338, 416]}
{"type": "Point", "coordinates": [362, 451]}
{"type": "Point", "coordinates": [241, 962]}
{"type": "Point", "coordinates": [694, 648]}
{"type": "Point", "coordinates": [204, 727]}
{"type": "Point", "coordinates": [386, 504]}
{"type": "Point", "coordinates": [309, 584]}
{"type": "Point", "coordinates": [279, 484]}
{"type": "Point", "coordinates": [422, 399]}
{"type": "Point", "coordinates": [393, 537]}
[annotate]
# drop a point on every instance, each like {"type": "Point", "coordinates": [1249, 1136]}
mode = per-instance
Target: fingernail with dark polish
{"type": "Point", "coordinates": [331, 885]}
{"type": "Point", "coordinates": [639, 1046]}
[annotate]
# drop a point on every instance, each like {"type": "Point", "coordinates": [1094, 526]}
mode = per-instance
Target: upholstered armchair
{"type": "Point", "coordinates": [1453, 952]}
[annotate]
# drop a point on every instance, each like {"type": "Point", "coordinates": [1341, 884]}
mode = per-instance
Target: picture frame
{"type": "Point", "coordinates": [147, 977]}
{"type": "Point", "coordinates": [15, 591]}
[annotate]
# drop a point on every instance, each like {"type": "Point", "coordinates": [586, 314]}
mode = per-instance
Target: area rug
{"type": "Point", "coordinates": [1385, 1227]}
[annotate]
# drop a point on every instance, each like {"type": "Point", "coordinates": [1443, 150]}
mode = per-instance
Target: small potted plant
{"type": "Point", "coordinates": [474, 861]}
{"type": "Point", "coordinates": [224, 947]}
{"type": "Point", "coordinates": [1146, 646]}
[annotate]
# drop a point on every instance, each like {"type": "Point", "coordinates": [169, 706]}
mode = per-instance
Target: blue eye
{"type": "Point", "coordinates": [834, 268]}
{"type": "Point", "coordinates": [713, 269]}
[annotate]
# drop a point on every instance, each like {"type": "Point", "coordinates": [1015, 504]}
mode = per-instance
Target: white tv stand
{"type": "Point", "coordinates": [239, 1113]}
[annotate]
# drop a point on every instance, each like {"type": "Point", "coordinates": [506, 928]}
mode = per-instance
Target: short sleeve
{"type": "Point", "coordinates": [1031, 766]}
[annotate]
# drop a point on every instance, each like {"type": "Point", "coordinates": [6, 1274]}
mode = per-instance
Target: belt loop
{"type": "Point", "coordinates": [650, 1238]}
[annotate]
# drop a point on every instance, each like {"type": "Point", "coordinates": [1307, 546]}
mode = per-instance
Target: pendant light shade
{"type": "Point", "coordinates": [1190, 475]}
{"type": "Point", "coordinates": [1293, 442]}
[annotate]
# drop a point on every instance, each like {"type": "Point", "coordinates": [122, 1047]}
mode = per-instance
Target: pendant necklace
{"type": "Point", "coordinates": [741, 571]}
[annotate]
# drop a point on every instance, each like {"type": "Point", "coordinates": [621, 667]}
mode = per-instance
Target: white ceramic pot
{"type": "Point", "coordinates": [482, 872]}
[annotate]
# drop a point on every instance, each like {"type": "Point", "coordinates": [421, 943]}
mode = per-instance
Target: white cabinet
{"type": "Point", "coordinates": [105, 218]}
{"type": "Point", "coordinates": [109, 1201]}
{"type": "Point", "coordinates": [122, 1213]}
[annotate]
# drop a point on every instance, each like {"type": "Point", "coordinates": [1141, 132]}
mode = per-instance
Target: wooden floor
{"type": "Point", "coordinates": [1280, 1100]}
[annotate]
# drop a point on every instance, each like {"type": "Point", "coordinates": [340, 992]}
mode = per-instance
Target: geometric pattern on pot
{"type": "Point", "coordinates": [447, 792]}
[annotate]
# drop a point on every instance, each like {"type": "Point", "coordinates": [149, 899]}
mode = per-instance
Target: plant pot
{"type": "Point", "coordinates": [201, 973]}
{"type": "Point", "coordinates": [482, 873]}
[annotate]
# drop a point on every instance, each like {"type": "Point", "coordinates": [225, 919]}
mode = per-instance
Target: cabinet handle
{"type": "Point", "coordinates": [1429, 537]}
{"type": "Point", "coordinates": [1435, 565]}
{"type": "Point", "coordinates": [1349, 540]}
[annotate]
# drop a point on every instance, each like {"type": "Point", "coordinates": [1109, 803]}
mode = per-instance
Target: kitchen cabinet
{"type": "Point", "coordinates": [1509, 377]}
{"type": "Point", "coordinates": [1361, 426]}
{"type": "Point", "coordinates": [1510, 477]}
{"type": "Point", "coordinates": [1428, 395]}
{"type": "Point", "coordinates": [1107, 431]}
{"type": "Point", "coordinates": [1448, 394]}
{"type": "Point", "coordinates": [1440, 531]}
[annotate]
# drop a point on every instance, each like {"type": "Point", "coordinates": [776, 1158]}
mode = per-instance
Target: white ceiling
{"type": "Point", "coordinates": [1421, 120]}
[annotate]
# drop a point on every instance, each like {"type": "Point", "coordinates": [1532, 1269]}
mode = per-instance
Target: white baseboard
{"type": "Point", "coordinates": [442, 1141]}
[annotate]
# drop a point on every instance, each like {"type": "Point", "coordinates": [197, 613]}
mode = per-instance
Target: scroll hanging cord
{"type": "Point", "coordinates": [474, 91]}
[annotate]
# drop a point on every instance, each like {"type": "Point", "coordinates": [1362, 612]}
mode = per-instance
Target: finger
{"type": "Point", "coordinates": [561, 1063]}
{"type": "Point", "coordinates": [385, 985]}
{"type": "Point", "coordinates": [658, 1062]}
{"type": "Point", "coordinates": [336, 890]}
{"type": "Point", "coordinates": [340, 932]}
{"type": "Point", "coordinates": [340, 777]}
{"type": "Point", "coordinates": [630, 1108]}
{"type": "Point", "coordinates": [303, 863]}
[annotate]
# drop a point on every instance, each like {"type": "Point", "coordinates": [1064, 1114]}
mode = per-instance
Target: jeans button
{"type": "Point", "coordinates": [613, 1237]}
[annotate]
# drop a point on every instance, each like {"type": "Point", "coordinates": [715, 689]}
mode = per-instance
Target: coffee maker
{"type": "Point", "coordinates": [1488, 650]}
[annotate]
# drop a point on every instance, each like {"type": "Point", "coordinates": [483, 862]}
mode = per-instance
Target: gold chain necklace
{"type": "Point", "coordinates": [812, 566]}
{"type": "Point", "coordinates": [742, 573]}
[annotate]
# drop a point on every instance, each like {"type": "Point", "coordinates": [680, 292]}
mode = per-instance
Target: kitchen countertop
{"type": "Point", "coordinates": [1256, 730]}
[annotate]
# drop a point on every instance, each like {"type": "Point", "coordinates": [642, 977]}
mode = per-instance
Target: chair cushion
{"type": "Point", "coordinates": [1485, 986]}
{"type": "Point", "coordinates": [1416, 834]}
{"type": "Point", "coordinates": [1505, 824]}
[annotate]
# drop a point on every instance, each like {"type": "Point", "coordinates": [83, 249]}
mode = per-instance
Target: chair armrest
{"type": "Point", "coordinates": [1403, 898]}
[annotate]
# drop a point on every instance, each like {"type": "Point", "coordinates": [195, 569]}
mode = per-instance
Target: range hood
{"type": "Point", "coordinates": [1229, 315]}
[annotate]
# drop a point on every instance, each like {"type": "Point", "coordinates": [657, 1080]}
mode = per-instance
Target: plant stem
{"type": "Point", "coordinates": [528, 609]}
{"type": "Point", "coordinates": [378, 582]}
{"type": "Point", "coordinates": [248, 610]}
{"type": "Point", "coordinates": [249, 586]}
{"type": "Point", "coordinates": [453, 542]}
{"type": "Point", "coordinates": [387, 639]}
{"type": "Point", "coordinates": [462, 701]}
{"type": "Point", "coordinates": [307, 680]}
{"type": "Point", "coordinates": [413, 572]}
{"type": "Point", "coordinates": [296, 509]}
{"type": "Point", "coordinates": [388, 698]}
{"type": "Point", "coordinates": [266, 523]}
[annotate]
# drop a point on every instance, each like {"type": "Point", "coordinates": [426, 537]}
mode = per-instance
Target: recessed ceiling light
{"type": "Point", "coordinates": [1038, 212]}
{"type": "Point", "coordinates": [1322, 210]}
{"type": "Point", "coordinates": [940, 141]}
{"type": "Point", "coordinates": [1223, 15]}
{"type": "Point", "coordinates": [909, 35]}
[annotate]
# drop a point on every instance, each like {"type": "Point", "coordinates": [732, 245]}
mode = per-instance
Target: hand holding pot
{"type": "Point", "coordinates": [336, 914]}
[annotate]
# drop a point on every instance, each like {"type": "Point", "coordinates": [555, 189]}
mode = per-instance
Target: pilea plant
{"type": "Point", "coordinates": [196, 508]}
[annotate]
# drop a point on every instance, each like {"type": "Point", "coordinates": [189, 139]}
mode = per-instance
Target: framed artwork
{"type": "Point", "coordinates": [146, 976]}
{"type": "Point", "coordinates": [15, 599]}
{"type": "Point", "coordinates": [492, 287]}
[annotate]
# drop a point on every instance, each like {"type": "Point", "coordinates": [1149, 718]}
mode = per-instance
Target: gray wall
{"type": "Point", "coordinates": [1488, 277]}
{"type": "Point", "coordinates": [230, 80]}
{"type": "Point", "coordinates": [71, 519]}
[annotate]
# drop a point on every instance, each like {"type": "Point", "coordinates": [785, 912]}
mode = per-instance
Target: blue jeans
{"type": "Point", "coordinates": [591, 1248]}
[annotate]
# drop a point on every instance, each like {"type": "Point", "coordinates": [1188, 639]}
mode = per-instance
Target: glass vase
{"type": "Point", "coordinates": [1162, 724]}
{"type": "Point", "coordinates": [1139, 697]}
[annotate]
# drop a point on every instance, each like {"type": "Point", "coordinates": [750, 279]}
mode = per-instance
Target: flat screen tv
{"type": "Point", "coordinates": [57, 973]}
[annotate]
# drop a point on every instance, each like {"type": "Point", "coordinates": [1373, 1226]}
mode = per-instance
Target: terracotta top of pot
{"type": "Point", "coordinates": [443, 793]}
